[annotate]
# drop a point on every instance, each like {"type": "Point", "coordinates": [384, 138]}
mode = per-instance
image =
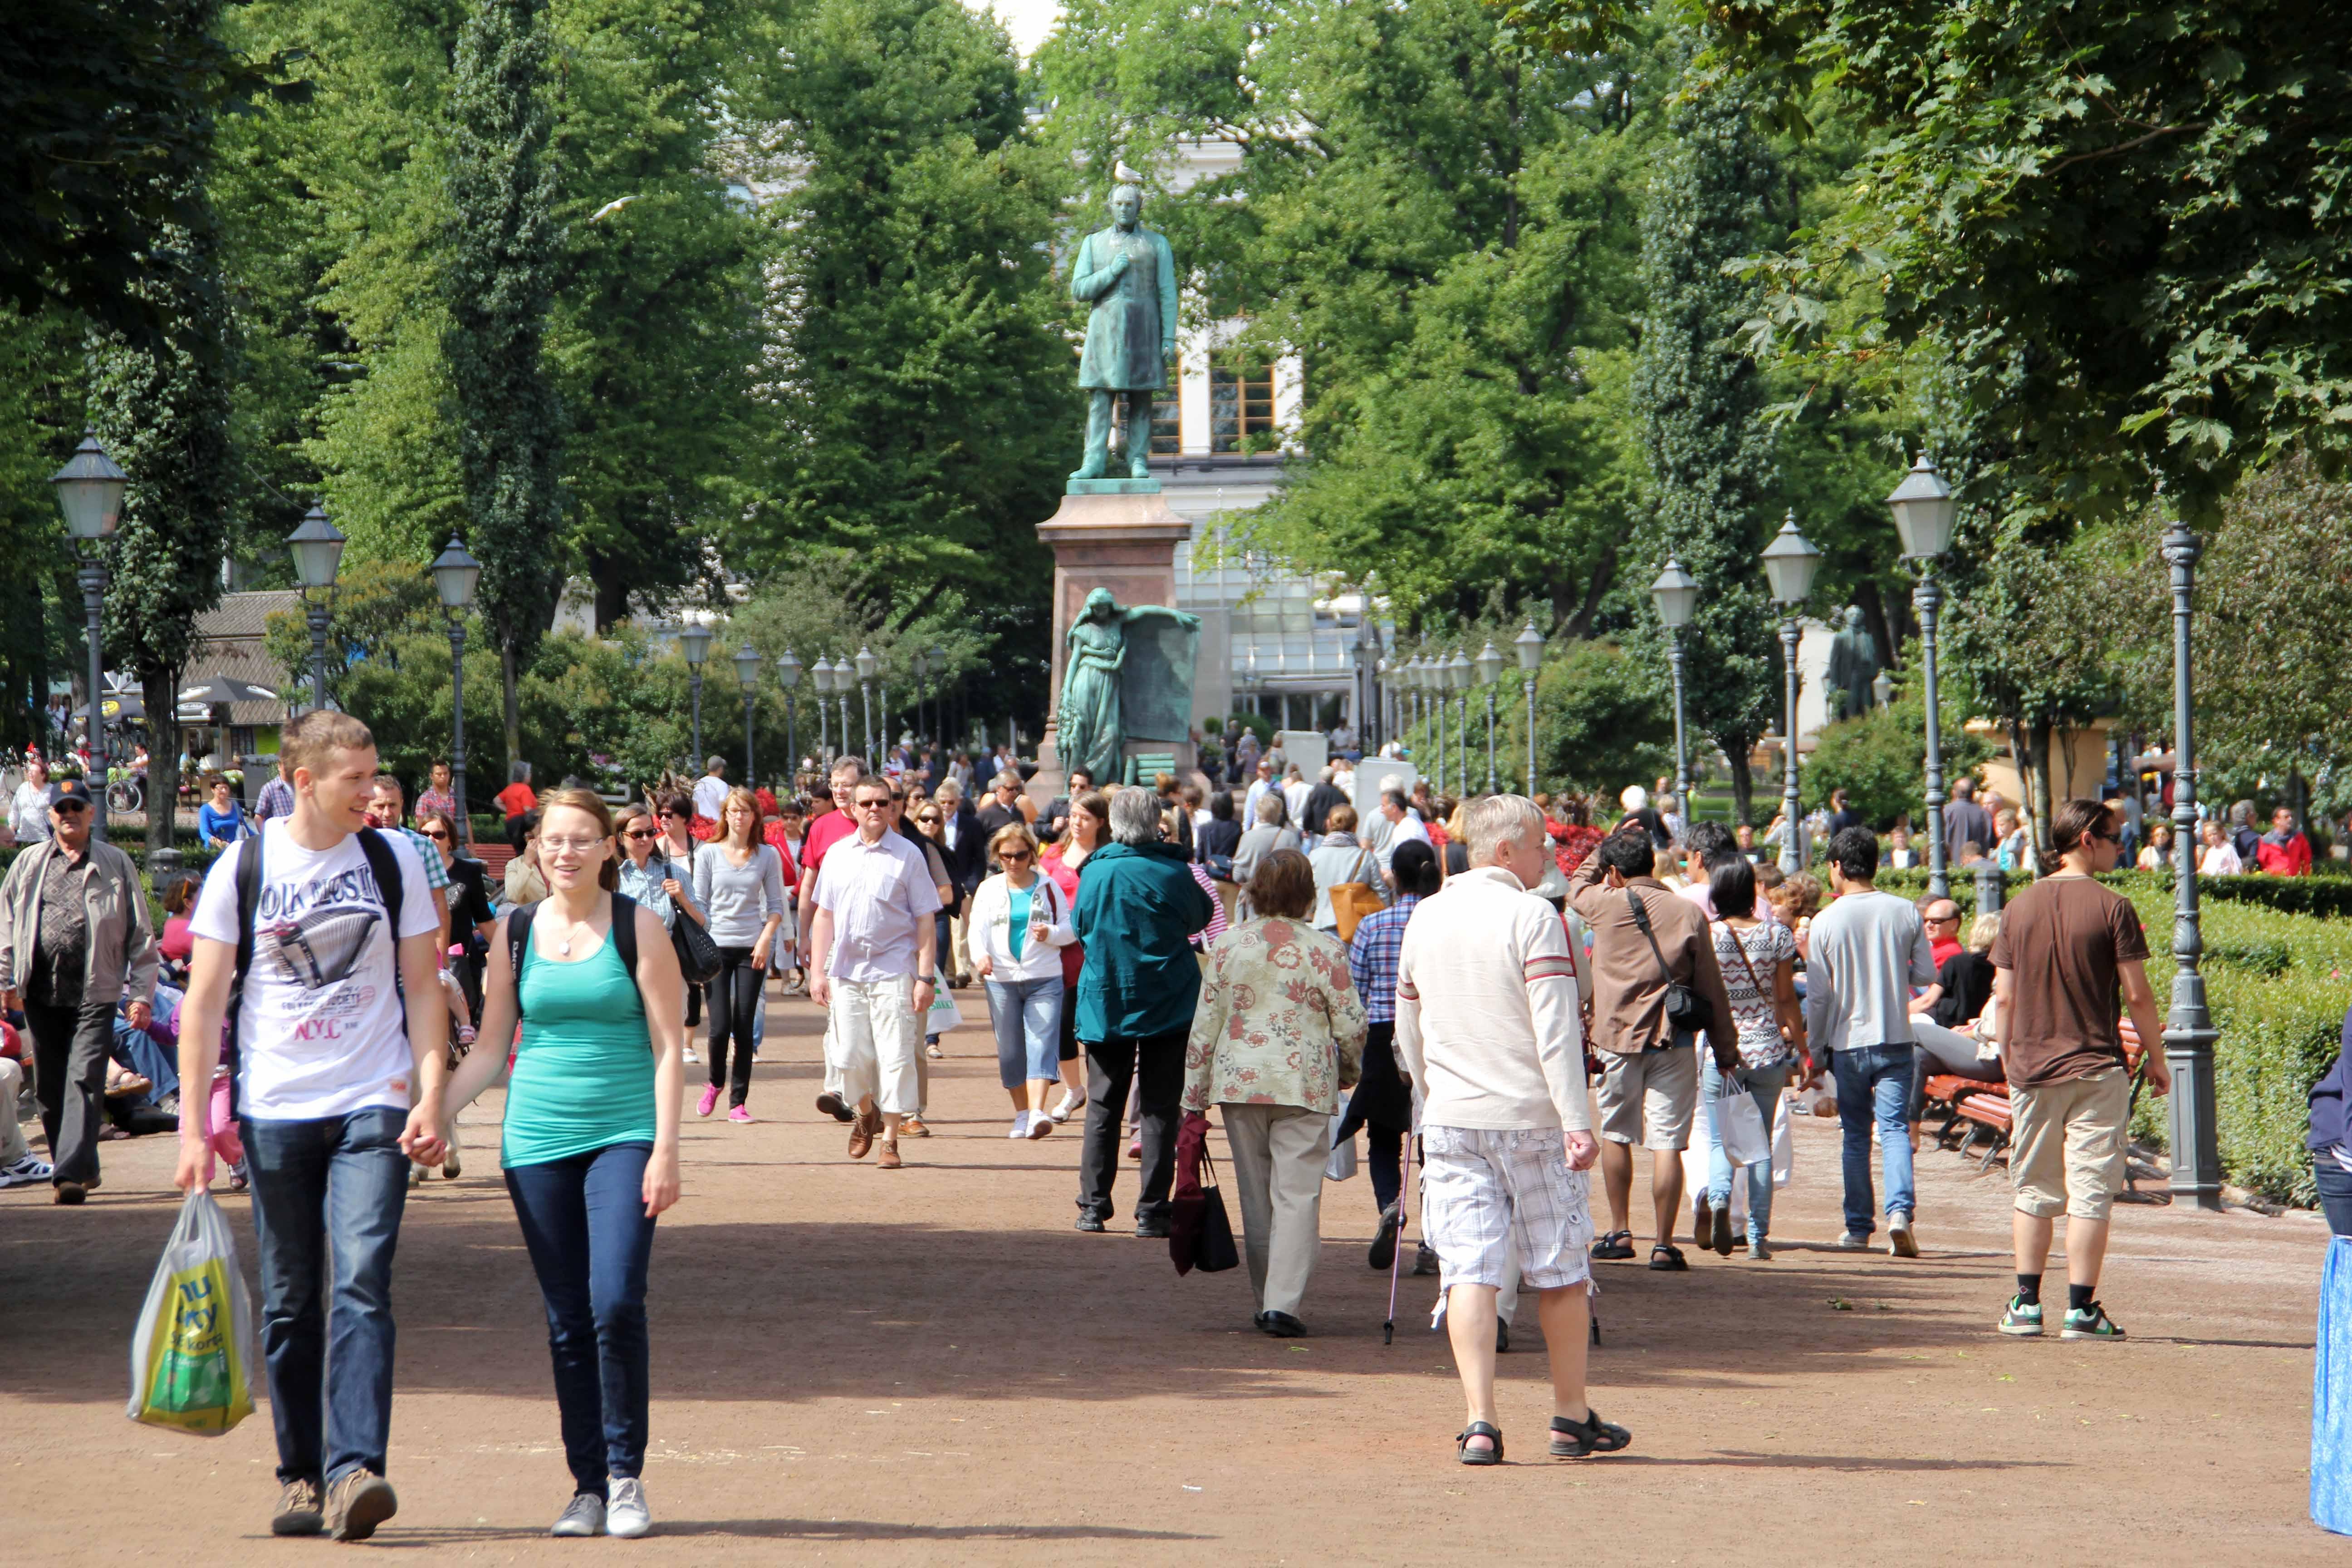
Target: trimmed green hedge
{"type": "Point", "coordinates": [2326, 895]}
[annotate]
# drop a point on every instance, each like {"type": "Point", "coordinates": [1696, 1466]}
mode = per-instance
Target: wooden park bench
{"type": "Point", "coordinates": [1985, 1105]}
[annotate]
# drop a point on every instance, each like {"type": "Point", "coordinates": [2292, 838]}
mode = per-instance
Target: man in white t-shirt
{"type": "Point", "coordinates": [711, 790]}
{"type": "Point", "coordinates": [1404, 827]}
{"type": "Point", "coordinates": [336, 1091]}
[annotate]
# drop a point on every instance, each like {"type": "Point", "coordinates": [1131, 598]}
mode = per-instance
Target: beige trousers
{"type": "Point", "coordinates": [1278, 1152]}
{"type": "Point", "coordinates": [12, 1134]}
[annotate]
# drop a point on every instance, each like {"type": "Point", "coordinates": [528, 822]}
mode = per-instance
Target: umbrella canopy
{"type": "Point", "coordinates": [226, 688]}
{"type": "Point", "coordinates": [114, 705]}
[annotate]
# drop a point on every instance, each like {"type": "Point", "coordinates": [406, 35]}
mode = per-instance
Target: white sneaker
{"type": "Point", "coordinates": [583, 1515]}
{"type": "Point", "coordinates": [1020, 1125]}
{"type": "Point", "coordinates": [626, 1515]}
{"type": "Point", "coordinates": [24, 1173]}
{"type": "Point", "coordinates": [1900, 1242]}
{"type": "Point", "coordinates": [691, 1058]}
{"type": "Point", "coordinates": [1070, 1106]}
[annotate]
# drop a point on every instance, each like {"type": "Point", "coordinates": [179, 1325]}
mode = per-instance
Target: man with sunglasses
{"type": "Point", "coordinates": [74, 939]}
{"type": "Point", "coordinates": [873, 966]}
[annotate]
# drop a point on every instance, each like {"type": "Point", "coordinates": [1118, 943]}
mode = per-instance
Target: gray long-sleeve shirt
{"type": "Point", "coordinates": [739, 900]}
{"type": "Point", "coordinates": [1862, 956]}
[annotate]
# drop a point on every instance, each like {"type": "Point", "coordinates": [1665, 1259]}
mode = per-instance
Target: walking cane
{"type": "Point", "coordinates": [1396, 1258]}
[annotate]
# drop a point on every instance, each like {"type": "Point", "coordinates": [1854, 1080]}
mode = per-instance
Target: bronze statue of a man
{"type": "Point", "coordinates": [1129, 275]}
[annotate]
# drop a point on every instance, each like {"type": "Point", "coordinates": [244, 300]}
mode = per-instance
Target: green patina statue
{"type": "Point", "coordinates": [1129, 275]}
{"type": "Point", "coordinates": [1091, 721]}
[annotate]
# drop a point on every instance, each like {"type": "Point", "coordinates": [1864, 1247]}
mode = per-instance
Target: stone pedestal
{"type": "Point", "coordinates": [1110, 533]}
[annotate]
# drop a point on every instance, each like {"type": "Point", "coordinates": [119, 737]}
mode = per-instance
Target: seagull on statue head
{"type": "Point", "coordinates": [1124, 175]}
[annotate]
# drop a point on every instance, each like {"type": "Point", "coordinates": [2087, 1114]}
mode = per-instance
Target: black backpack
{"type": "Point", "coordinates": [624, 941]}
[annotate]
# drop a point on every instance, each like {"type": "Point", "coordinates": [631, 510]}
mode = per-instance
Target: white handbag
{"type": "Point", "coordinates": [1341, 1162]}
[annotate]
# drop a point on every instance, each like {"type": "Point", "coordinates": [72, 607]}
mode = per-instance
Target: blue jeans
{"type": "Point", "coordinates": [584, 1222]}
{"type": "Point", "coordinates": [1027, 1017]}
{"type": "Point", "coordinates": [1873, 1082]}
{"type": "Point", "coordinates": [1764, 1086]}
{"type": "Point", "coordinates": [327, 1195]}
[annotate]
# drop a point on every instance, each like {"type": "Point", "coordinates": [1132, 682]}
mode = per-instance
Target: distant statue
{"type": "Point", "coordinates": [1853, 662]}
{"type": "Point", "coordinates": [1129, 275]}
{"type": "Point", "coordinates": [1091, 719]}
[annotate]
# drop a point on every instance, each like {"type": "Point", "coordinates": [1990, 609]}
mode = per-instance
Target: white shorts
{"type": "Point", "coordinates": [877, 1043]}
{"type": "Point", "coordinates": [1489, 1194]}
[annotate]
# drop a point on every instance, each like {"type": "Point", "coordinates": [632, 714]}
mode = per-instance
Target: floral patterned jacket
{"type": "Point", "coordinates": [1279, 1020]}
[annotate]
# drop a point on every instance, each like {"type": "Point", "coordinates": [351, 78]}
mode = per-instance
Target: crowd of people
{"type": "Point", "coordinates": [1513, 992]}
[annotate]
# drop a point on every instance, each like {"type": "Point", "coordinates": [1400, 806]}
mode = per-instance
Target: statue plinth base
{"type": "Point", "coordinates": [1117, 534]}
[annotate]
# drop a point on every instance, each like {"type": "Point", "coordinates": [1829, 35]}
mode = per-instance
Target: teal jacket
{"type": "Point", "coordinates": [1138, 908]}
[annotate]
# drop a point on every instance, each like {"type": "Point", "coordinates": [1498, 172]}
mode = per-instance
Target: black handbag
{"type": "Point", "coordinates": [1687, 1012]}
{"type": "Point", "coordinates": [698, 956]}
{"type": "Point", "coordinates": [1214, 1252]}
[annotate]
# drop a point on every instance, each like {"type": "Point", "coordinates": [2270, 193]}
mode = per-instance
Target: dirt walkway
{"type": "Point", "coordinates": [932, 1366]}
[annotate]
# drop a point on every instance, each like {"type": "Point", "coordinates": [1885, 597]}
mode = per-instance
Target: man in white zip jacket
{"type": "Point", "coordinates": [1487, 1033]}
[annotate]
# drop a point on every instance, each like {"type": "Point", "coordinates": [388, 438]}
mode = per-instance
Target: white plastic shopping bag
{"type": "Point", "coordinates": [1341, 1162]}
{"type": "Point", "coordinates": [944, 1014]}
{"type": "Point", "coordinates": [1784, 1144]}
{"type": "Point", "coordinates": [192, 1360]}
{"type": "Point", "coordinates": [1742, 1127]}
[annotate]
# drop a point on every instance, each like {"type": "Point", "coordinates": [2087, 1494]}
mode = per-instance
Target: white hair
{"type": "Point", "coordinates": [1634, 798]}
{"type": "Point", "coordinates": [1495, 820]}
{"type": "Point", "coordinates": [1135, 816]}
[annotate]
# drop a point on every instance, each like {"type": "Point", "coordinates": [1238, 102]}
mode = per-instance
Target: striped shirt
{"type": "Point", "coordinates": [1372, 958]}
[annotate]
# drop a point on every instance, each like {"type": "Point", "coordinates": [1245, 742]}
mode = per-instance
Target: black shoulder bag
{"type": "Point", "coordinates": [698, 956]}
{"type": "Point", "coordinates": [1687, 1012]}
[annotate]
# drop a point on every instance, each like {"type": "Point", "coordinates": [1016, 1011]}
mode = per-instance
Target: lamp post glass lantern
{"type": "Point", "coordinates": [317, 546]}
{"type": "Point", "coordinates": [455, 575]}
{"type": "Point", "coordinates": [1790, 563]}
{"type": "Point", "coordinates": [1925, 509]}
{"type": "Point", "coordinates": [1529, 646]}
{"type": "Point", "coordinates": [89, 490]}
{"type": "Point", "coordinates": [1675, 595]}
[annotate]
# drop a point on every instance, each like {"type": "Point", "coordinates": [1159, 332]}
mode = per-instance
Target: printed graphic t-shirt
{"type": "Point", "coordinates": [321, 1033]}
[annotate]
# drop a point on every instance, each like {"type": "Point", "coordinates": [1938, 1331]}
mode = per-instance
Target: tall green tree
{"type": "Point", "coordinates": [500, 280]}
{"type": "Point", "coordinates": [1701, 400]}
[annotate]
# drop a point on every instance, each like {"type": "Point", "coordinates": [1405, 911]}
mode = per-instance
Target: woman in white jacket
{"type": "Point", "coordinates": [1020, 921]}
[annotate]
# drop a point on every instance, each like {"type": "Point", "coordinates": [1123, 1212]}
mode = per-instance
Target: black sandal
{"type": "Point", "coordinates": [1470, 1455]}
{"type": "Point", "coordinates": [1667, 1259]}
{"type": "Point", "coordinates": [1617, 1245]}
{"type": "Point", "coordinates": [1575, 1439]}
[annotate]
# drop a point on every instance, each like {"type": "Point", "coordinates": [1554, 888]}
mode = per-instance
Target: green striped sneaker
{"type": "Point", "coordinates": [2090, 1323]}
{"type": "Point", "coordinates": [2020, 1320]}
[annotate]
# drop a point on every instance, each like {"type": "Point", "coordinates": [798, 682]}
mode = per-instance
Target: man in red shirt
{"type": "Point", "coordinates": [2283, 851]}
{"type": "Point", "coordinates": [1942, 918]}
{"type": "Point", "coordinates": [822, 834]}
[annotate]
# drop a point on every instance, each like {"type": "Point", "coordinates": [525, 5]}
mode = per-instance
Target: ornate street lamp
{"type": "Point", "coordinates": [821, 674]}
{"type": "Point", "coordinates": [747, 675]}
{"type": "Point", "coordinates": [1529, 646]}
{"type": "Point", "coordinates": [1790, 563]}
{"type": "Point", "coordinates": [2189, 1031]}
{"type": "Point", "coordinates": [866, 665]}
{"type": "Point", "coordinates": [1676, 594]}
{"type": "Point", "coordinates": [1490, 669]}
{"type": "Point", "coordinates": [89, 493]}
{"type": "Point", "coordinates": [318, 549]}
{"type": "Point", "coordinates": [455, 575]}
{"type": "Point", "coordinates": [694, 641]}
{"type": "Point", "coordinates": [1925, 509]}
{"type": "Point", "coordinates": [1457, 679]}
{"type": "Point", "coordinates": [788, 673]}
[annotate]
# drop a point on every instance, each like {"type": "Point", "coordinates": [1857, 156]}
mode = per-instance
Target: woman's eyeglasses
{"type": "Point", "coordinates": [642, 833]}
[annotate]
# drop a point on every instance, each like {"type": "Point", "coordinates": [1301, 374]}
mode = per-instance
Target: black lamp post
{"type": "Point", "coordinates": [788, 673]}
{"type": "Point", "coordinates": [842, 679]}
{"type": "Point", "coordinates": [1925, 509]}
{"type": "Point", "coordinates": [90, 493]}
{"type": "Point", "coordinates": [747, 675]}
{"type": "Point", "coordinates": [454, 576]}
{"type": "Point", "coordinates": [1458, 677]}
{"type": "Point", "coordinates": [1790, 563]}
{"type": "Point", "coordinates": [318, 548]}
{"type": "Point", "coordinates": [2189, 1031]}
{"type": "Point", "coordinates": [1529, 646]}
{"type": "Point", "coordinates": [1676, 594]}
{"type": "Point", "coordinates": [694, 641]}
{"type": "Point", "coordinates": [1490, 670]}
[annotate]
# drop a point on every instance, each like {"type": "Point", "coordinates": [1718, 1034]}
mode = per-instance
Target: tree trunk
{"type": "Point", "coordinates": [513, 705]}
{"type": "Point", "coordinates": [159, 689]}
{"type": "Point", "coordinates": [2030, 744]}
{"type": "Point", "coordinates": [1735, 750]}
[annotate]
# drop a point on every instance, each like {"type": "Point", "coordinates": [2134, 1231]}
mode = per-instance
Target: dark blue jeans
{"type": "Point", "coordinates": [2334, 1189]}
{"type": "Point", "coordinates": [328, 1195]}
{"type": "Point", "coordinates": [1874, 1084]}
{"type": "Point", "coordinates": [584, 1221]}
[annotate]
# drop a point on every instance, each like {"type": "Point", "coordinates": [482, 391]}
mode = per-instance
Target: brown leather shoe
{"type": "Point", "coordinates": [890, 1160]}
{"type": "Point", "coordinates": [863, 1132]}
{"type": "Point", "coordinates": [912, 1127]}
{"type": "Point", "coordinates": [301, 1510]}
{"type": "Point", "coordinates": [357, 1503]}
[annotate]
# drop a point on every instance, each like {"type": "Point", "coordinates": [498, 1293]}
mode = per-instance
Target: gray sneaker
{"type": "Point", "coordinates": [583, 1515]}
{"type": "Point", "coordinates": [626, 1515]}
{"type": "Point", "coordinates": [1900, 1242]}
{"type": "Point", "coordinates": [1849, 1242]}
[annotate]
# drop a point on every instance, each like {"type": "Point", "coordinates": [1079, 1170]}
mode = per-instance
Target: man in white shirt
{"type": "Point", "coordinates": [339, 1087]}
{"type": "Point", "coordinates": [872, 956]}
{"type": "Point", "coordinates": [1258, 786]}
{"type": "Point", "coordinates": [711, 790]}
{"type": "Point", "coordinates": [1486, 1034]}
{"type": "Point", "coordinates": [1404, 827]}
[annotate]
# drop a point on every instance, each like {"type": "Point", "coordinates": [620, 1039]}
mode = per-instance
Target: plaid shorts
{"type": "Point", "coordinates": [1488, 1193]}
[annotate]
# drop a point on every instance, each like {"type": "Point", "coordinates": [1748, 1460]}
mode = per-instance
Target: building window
{"type": "Point", "coordinates": [1241, 406]}
{"type": "Point", "coordinates": [1166, 430]}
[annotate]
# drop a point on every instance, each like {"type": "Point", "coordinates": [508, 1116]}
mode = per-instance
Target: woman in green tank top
{"type": "Point", "coordinates": [589, 1143]}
